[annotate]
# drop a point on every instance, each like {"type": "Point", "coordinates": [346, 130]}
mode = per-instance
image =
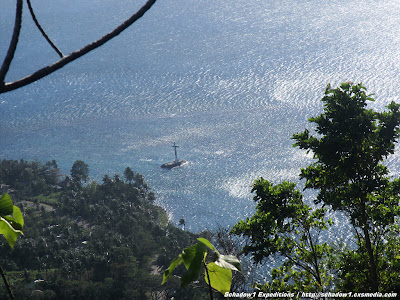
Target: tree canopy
{"type": "Point", "coordinates": [80, 171]}
{"type": "Point", "coordinates": [349, 146]}
{"type": "Point", "coordinates": [348, 172]}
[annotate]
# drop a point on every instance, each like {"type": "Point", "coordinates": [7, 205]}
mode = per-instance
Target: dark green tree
{"type": "Point", "coordinates": [349, 148]}
{"type": "Point", "coordinates": [284, 225]}
{"type": "Point", "coordinates": [129, 174]}
{"type": "Point", "coordinates": [80, 171]}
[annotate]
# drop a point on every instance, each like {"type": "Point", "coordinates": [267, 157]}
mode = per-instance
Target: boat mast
{"type": "Point", "coordinates": [176, 154]}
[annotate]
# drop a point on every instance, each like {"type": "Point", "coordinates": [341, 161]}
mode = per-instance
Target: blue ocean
{"type": "Point", "coordinates": [228, 81]}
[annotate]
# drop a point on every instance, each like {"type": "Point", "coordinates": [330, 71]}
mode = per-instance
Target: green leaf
{"type": "Point", "coordinates": [207, 243]}
{"type": "Point", "coordinates": [192, 257]}
{"type": "Point", "coordinates": [228, 262]}
{"type": "Point", "coordinates": [9, 232]}
{"type": "Point", "coordinates": [6, 205]}
{"type": "Point", "coordinates": [220, 278]}
{"type": "Point", "coordinates": [188, 255]}
{"type": "Point", "coordinates": [17, 215]}
{"type": "Point", "coordinates": [15, 220]}
{"type": "Point", "coordinates": [11, 221]}
{"type": "Point", "coordinates": [196, 257]}
{"type": "Point", "coordinates": [171, 268]}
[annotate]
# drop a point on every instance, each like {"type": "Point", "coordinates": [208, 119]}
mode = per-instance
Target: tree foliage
{"type": "Point", "coordinates": [95, 241]}
{"type": "Point", "coordinates": [129, 174]}
{"type": "Point", "coordinates": [348, 172]}
{"type": "Point", "coordinates": [353, 142]}
{"type": "Point", "coordinates": [284, 225]}
{"type": "Point", "coordinates": [80, 172]}
{"type": "Point", "coordinates": [11, 220]}
{"type": "Point", "coordinates": [218, 271]}
{"type": "Point", "coordinates": [349, 146]}
{"type": "Point", "coordinates": [11, 225]}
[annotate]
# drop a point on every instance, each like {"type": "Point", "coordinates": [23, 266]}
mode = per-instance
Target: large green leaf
{"type": "Point", "coordinates": [188, 255]}
{"type": "Point", "coordinates": [17, 215]}
{"type": "Point", "coordinates": [207, 243]}
{"type": "Point", "coordinates": [195, 258]}
{"type": "Point", "coordinates": [11, 220]}
{"type": "Point", "coordinates": [220, 278]}
{"type": "Point", "coordinates": [192, 257]}
{"type": "Point", "coordinates": [6, 205]}
{"type": "Point", "coordinates": [9, 232]}
{"type": "Point", "coordinates": [15, 220]}
{"type": "Point", "coordinates": [171, 268]}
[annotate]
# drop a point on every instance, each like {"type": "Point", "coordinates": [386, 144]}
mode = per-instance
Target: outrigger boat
{"type": "Point", "coordinates": [176, 162]}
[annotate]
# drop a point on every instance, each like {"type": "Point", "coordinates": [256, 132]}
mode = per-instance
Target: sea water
{"type": "Point", "coordinates": [228, 81]}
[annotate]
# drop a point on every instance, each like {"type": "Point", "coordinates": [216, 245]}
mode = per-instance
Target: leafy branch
{"type": "Point", "coordinates": [11, 224]}
{"type": "Point", "coordinates": [218, 271]}
{"type": "Point", "coordinates": [284, 225]}
{"type": "Point", "coordinates": [11, 220]}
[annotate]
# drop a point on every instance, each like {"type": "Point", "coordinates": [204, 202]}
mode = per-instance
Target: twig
{"type": "Point", "coordinates": [10, 293]}
{"type": "Point", "coordinates": [42, 31]}
{"type": "Point", "coordinates": [13, 44]}
{"type": "Point", "coordinates": [6, 87]}
{"type": "Point", "coordinates": [209, 282]}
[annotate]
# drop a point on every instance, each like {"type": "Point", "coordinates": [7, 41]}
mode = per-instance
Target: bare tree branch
{"type": "Point", "coordinates": [42, 31]}
{"type": "Point", "coordinates": [13, 44]}
{"type": "Point", "coordinates": [6, 87]}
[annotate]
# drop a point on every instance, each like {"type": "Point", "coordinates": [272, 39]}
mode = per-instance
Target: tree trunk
{"type": "Point", "coordinates": [372, 263]}
{"type": "Point", "coordinates": [368, 245]}
{"type": "Point", "coordinates": [9, 291]}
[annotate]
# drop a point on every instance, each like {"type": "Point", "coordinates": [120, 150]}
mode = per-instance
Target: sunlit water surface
{"type": "Point", "coordinates": [228, 81]}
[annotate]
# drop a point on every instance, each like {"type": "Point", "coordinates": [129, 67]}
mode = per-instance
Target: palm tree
{"type": "Point", "coordinates": [129, 174]}
{"type": "Point", "coordinates": [182, 222]}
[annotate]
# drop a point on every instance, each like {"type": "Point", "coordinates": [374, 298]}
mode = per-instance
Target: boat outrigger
{"type": "Point", "coordinates": [176, 162]}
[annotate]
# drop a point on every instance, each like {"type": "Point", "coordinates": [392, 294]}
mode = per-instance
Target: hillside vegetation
{"type": "Point", "coordinates": [90, 240]}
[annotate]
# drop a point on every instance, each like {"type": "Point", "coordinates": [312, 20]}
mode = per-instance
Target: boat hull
{"type": "Point", "coordinates": [174, 164]}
